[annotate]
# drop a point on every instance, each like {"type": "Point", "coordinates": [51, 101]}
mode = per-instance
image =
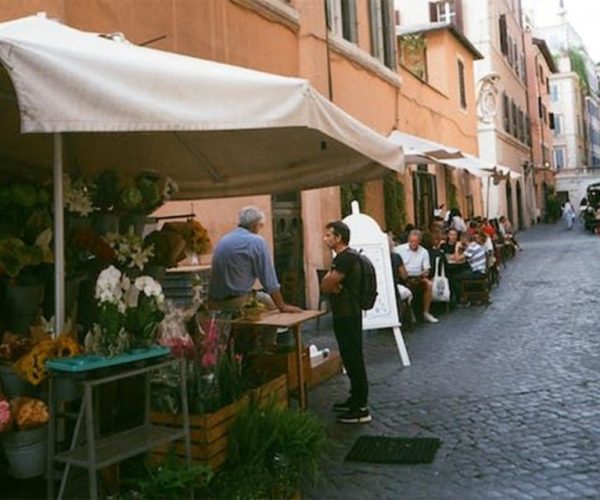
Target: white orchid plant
{"type": "Point", "coordinates": [129, 313]}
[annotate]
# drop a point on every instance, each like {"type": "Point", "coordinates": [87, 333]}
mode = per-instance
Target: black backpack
{"type": "Point", "coordinates": [368, 282]}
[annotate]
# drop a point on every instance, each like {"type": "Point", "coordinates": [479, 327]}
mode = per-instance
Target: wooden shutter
{"type": "Point", "coordinates": [540, 113]}
{"type": "Point", "coordinates": [458, 19]}
{"type": "Point", "coordinates": [462, 84]}
{"type": "Point", "coordinates": [389, 34]}
{"type": "Point", "coordinates": [551, 120]}
{"type": "Point", "coordinates": [505, 112]}
{"type": "Point", "coordinates": [433, 17]}
{"type": "Point", "coordinates": [503, 35]}
{"type": "Point", "coordinates": [373, 26]}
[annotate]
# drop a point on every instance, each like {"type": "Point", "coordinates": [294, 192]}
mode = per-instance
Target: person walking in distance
{"type": "Point", "coordinates": [342, 283]}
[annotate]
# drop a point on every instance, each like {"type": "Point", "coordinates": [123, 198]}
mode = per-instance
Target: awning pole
{"type": "Point", "coordinates": [487, 205]}
{"type": "Point", "coordinates": [59, 237]}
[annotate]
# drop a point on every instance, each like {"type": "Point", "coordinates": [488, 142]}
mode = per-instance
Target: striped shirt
{"type": "Point", "coordinates": [475, 255]}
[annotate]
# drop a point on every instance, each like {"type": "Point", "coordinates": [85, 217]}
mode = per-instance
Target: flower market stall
{"type": "Point", "coordinates": [94, 128]}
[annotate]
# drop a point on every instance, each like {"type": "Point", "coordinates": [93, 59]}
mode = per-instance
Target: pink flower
{"type": "Point", "coordinates": [5, 417]}
{"type": "Point", "coordinates": [210, 345]}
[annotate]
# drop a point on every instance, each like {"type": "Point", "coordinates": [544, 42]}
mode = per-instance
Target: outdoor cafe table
{"type": "Point", "coordinates": [293, 321]}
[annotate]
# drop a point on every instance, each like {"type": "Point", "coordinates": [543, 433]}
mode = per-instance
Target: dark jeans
{"type": "Point", "coordinates": [349, 336]}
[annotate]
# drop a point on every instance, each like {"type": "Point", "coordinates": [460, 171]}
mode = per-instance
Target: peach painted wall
{"type": "Point", "coordinates": [432, 110]}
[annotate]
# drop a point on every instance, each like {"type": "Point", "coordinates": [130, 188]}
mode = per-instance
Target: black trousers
{"type": "Point", "coordinates": [466, 274]}
{"type": "Point", "coordinates": [349, 336]}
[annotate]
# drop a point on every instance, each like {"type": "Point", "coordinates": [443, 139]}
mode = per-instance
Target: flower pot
{"type": "Point", "coordinates": [105, 222]}
{"type": "Point", "coordinates": [23, 305]}
{"type": "Point", "coordinates": [66, 389]}
{"type": "Point", "coordinates": [14, 385]}
{"type": "Point", "coordinates": [26, 452]}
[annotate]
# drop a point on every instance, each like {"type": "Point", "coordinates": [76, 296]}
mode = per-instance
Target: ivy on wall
{"type": "Point", "coordinates": [395, 203]}
{"type": "Point", "coordinates": [350, 192]}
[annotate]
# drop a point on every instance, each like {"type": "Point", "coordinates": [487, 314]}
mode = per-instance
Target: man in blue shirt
{"type": "Point", "coordinates": [240, 259]}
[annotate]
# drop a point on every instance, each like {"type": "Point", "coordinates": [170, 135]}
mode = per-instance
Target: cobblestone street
{"type": "Point", "coordinates": [512, 391]}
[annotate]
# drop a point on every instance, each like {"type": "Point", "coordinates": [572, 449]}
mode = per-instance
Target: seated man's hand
{"type": "Point", "coordinates": [288, 308]}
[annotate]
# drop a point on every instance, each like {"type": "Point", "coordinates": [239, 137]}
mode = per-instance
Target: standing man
{"type": "Point", "coordinates": [418, 266]}
{"type": "Point", "coordinates": [342, 283]}
{"type": "Point", "coordinates": [240, 259]}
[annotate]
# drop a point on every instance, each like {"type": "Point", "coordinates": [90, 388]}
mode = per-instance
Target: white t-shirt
{"type": "Point", "coordinates": [415, 262]}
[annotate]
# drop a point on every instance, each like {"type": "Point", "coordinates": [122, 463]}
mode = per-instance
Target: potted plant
{"type": "Point", "coordinates": [272, 452]}
{"type": "Point", "coordinates": [129, 313]}
{"type": "Point", "coordinates": [24, 436]}
{"type": "Point", "coordinates": [13, 348]}
{"type": "Point", "coordinates": [22, 264]}
{"type": "Point", "coordinates": [132, 254]}
{"type": "Point", "coordinates": [253, 309]}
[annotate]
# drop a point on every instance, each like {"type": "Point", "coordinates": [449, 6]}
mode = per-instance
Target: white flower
{"type": "Point", "coordinates": [108, 285]}
{"type": "Point", "coordinates": [77, 197]}
{"type": "Point", "coordinates": [170, 188]}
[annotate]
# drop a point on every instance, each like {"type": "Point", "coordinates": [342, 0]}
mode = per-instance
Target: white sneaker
{"type": "Point", "coordinates": [430, 318]}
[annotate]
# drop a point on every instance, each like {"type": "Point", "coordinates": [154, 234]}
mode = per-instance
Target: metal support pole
{"type": "Point", "coordinates": [59, 237]}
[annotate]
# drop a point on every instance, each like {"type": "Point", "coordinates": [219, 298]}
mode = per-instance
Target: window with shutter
{"type": "Point", "coordinates": [349, 25]}
{"type": "Point", "coordinates": [514, 118]}
{"type": "Point", "coordinates": [462, 85]}
{"type": "Point", "coordinates": [433, 12]}
{"type": "Point", "coordinates": [540, 113]}
{"type": "Point", "coordinates": [505, 112]}
{"type": "Point", "coordinates": [389, 34]}
{"type": "Point", "coordinates": [503, 34]}
{"type": "Point", "coordinates": [376, 28]}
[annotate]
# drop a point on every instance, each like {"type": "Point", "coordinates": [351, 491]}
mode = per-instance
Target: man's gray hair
{"type": "Point", "coordinates": [248, 216]}
{"type": "Point", "coordinates": [417, 233]}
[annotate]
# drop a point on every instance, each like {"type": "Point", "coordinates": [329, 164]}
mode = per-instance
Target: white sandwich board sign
{"type": "Point", "coordinates": [367, 237]}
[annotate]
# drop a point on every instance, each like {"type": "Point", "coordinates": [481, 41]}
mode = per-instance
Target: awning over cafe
{"type": "Point", "coordinates": [420, 150]}
{"type": "Point", "coordinates": [218, 130]}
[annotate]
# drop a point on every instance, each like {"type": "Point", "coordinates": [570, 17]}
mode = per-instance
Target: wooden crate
{"type": "Point", "coordinates": [327, 368]}
{"type": "Point", "coordinates": [209, 432]}
{"type": "Point", "coordinates": [275, 364]}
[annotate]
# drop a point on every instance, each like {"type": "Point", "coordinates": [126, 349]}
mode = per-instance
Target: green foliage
{"type": "Point", "coordinates": [169, 479]}
{"type": "Point", "coordinates": [143, 320]}
{"type": "Point", "coordinates": [272, 451]}
{"type": "Point", "coordinates": [15, 256]}
{"type": "Point", "coordinates": [106, 193]}
{"type": "Point", "coordinates": [149, 187]}
{"type": "Point", "coordinates": [578, 66]}
{"type": "Point", "coordinates": [553, 210]}
{"type": "Point", "coordinates": [131, 199]}
{"type": "Point", "coordinates": [349, 193]}
{"type": "Point", "coordinates": [395, 203]}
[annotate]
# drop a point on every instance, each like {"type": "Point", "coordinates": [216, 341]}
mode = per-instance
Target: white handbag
{"type": "Point", "coordinates": [441, 285]}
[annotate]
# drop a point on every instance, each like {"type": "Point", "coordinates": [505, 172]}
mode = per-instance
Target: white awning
{"type": "Point", "coordinates": [419, 150]}
{"type": "Point", "coordinates": [218, 130]}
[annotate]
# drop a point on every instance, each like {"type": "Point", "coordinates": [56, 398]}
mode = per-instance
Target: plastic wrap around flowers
{"type": "Point", "coordinates": [129, 313]}
{"type": "Point", "coordinates": [5, 416]}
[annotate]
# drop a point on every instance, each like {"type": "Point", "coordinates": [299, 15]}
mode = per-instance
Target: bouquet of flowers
{"type": "Point", "coordinates": [215, 373]}
{"type": "Point", "coordinates": [129, 313]}
{"type": "Point", "coordinates": [130, 250]}
{"type": "Point", "coordinates": [77, 196]}
{"type": "Point", "coordinates": [194, 234]}
{"type": "Point", "coordinates": [28, 413]}
{"type": "Point", "coordinates": [32, 365]}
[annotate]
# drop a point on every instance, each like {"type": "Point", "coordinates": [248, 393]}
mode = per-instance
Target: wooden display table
{"type": "Point", "coordinates": [293, 321]}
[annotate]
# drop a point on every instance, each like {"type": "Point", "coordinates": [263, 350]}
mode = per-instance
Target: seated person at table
{"type": "Point", "coordinates": [506, 231]}
{"type": "Point", "coordinates": [488, 229]}
{"type": "Point", "coordinates": [449, 246]}
{"type": "Point", "coordinates": [418, 266]}
{"type": "Point", "coordinates": [400, 276]}
{"type": "Point", "coordinates": [474, 254]}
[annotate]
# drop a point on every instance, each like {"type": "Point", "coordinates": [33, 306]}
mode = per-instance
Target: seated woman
{"type": "Point", "coordinates": [474, 255]}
